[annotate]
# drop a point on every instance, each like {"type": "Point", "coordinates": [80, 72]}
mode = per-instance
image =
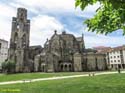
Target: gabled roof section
{"type": "Point", "coordinates": [79, 39]}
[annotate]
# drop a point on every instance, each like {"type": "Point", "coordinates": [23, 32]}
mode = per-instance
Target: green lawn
{"type": "Point", "coordinates": [114, 83]}
{"type": "Point", "coordinates": [21, 76]}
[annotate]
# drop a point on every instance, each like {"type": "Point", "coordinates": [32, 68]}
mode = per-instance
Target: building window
{"type": "Point", "coordinates": [121, 52]}
{"type": "Point", "coordinates": [112, 66]}
{"type": "Point", "coordinates": [118, 56]}
{"type": "Point", "coordinates": [111, 56]}
{"type": "Point", "coordinates": [114, 56]}
{"type": "Point", "coordinates": [0, 45]}
{"type": "Point", "coordinates": [118, 60]}
{"type": "Point", "coordinates": [18, 27]}
{"type": "Point", "coordinates": [114, 60]}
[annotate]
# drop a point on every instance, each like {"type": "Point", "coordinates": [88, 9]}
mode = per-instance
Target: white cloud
{"type": "Point", "coordinates": [89, 11]}
{"type": "Point", "coordinates": [54, 6]}
{"type": "Point", "coordinates": [7, 11]}
{"type": "Point", "coordinates": [6, 14]}
{"type": "Point", "coordinates": [48, 5]}
{"type": "Point", "coordinates": [5, 29]}
{"type": "Point", "coordinates": [101, 40]}
{"type": "Point", "coordinates": [30, 9]}
{"type": "Point", "coordinates": [42, 27]}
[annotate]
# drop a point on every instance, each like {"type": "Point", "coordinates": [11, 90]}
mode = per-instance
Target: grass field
{"type": "Point", "coordinates": [114, 83]}
{"type": "Point", "coordinates": [21, 76]}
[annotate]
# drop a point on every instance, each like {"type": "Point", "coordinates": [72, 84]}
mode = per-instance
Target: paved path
{"type": "Point", "coordinates": [55, 78]}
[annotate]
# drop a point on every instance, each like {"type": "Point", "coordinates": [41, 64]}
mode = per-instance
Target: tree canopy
{"type": "Point", "coordinates": [110, 16]}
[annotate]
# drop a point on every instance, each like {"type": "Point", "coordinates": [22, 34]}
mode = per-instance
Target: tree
{"type": "Point", "coordinates": [8, 67]}
{"type": "Point", "coordinates": [110, 16]}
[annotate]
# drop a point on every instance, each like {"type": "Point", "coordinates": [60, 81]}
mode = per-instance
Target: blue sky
{"type": "Point", "coordinates": [48, 15]}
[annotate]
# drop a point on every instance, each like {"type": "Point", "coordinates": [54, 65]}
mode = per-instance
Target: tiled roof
{"type": "Point", "coordinates": [102, 49]}
{"type": "Point", "coordinates": [116, 48]}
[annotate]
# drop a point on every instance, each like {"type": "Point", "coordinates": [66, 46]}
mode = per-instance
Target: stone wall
{"type": "Point", "coordinates": [95, 61]}
{"type": "Point", "coordinates": [77, 62]}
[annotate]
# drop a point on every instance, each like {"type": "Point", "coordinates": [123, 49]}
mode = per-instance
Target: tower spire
{"type": "Point", "coordinates": [82, 36]}
{"type": "Point", "coordinates": [55, 31]}
{"type": "Point", "coordinates": [19, 42]}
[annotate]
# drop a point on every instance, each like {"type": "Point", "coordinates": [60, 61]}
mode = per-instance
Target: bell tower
{"type": "Point", "coordinates": [19, 41]}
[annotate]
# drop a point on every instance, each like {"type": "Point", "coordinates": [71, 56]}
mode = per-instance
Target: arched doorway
{"type": "Point", "coordinates": [65, 67]}
{"type": "Point", "coordinates": [70, 67]}
{"type": "Point", "coordinates": [61, 67]}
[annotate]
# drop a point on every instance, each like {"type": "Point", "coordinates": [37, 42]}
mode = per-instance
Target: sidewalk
{"type": "Point", "coordinates": [55, 78]}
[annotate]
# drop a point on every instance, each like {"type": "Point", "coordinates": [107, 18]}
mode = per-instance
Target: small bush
{"type": "Point", "coordinates": [8, 67]}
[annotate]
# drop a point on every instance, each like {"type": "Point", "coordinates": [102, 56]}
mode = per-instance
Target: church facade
{"type": "Point", "coordinates": [58, 53]}
{"type": "Point", "coordinates": [62, 52]}
{"type": "Point", "coordinates": [65, 52]}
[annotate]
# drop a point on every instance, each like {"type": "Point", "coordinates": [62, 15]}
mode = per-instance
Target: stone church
{"type": "Point", "coordinates": [63, 52]}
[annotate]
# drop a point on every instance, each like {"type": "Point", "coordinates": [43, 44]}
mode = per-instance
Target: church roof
{"type": "Point", "coordinates": [34, 47]}
{"type": "Point", "coordinates": [3, 40]}
{"type": "Point", "coordinates": [79, 38]}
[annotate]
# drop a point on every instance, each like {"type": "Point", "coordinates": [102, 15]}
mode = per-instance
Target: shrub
{"type": "Point", "coordinates": [8, 67]}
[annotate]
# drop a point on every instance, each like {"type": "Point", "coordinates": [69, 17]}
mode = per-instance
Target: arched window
{"type": "Point", "coordinates": [24, 40]}
{"type": "Point", "coordinates": [15, 40]}
{"type": "Point", "coordinates": [96, 63]}
{"type": "Point", "coordinates": [21, 16]}
{"type": "Point", "coordinates": [18, 27]}
{"type": "Point", "coordinates": [15, 37]}
{"type": "Point", "coordinates": [15, 59]}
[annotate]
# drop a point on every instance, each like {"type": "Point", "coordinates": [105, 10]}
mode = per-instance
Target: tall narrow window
{"type": "Point", "coordinates": [24, 40]}
{"type": "Point", "coordinates": [0, 45]}
{"type": "Point", "coordinates": [18, 26]}
{"type": "Point", "coordinates": [15, 40]}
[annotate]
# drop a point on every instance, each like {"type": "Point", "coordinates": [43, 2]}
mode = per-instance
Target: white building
{"type": "Point", "coordinates": [3, 51]}
{"type": "Point", "coordinates": [116, 57]}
